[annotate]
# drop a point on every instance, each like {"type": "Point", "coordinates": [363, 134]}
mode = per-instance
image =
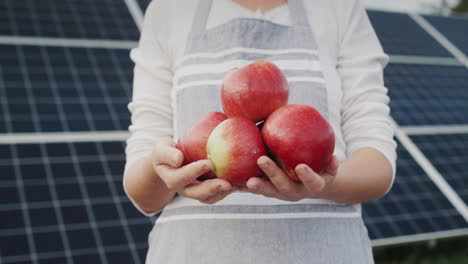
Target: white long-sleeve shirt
{"type": "Point", "coordinates": [350, 54]}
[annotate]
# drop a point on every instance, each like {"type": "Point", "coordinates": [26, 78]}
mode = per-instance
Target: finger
{"type": "Point", "coordinates": [277, 176]}
{"type": "Point", "coordinates": [166, 153]}
{"type": "Point", "coordinates": [177, 178]}
{"type": "Point", "coordinates": [217, 197]}
{"type": "Point", "coordinates": [328, 178]}
{"type": "Point", "coordinates": [313, 182]}
{"type": "Point", "coordinates": [332, 167]}
{"type": "Point", "coordinates": [204, 190]}
{"type": "Point", "coordinates": [258, 186]}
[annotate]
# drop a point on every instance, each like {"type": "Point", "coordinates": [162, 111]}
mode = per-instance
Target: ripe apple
{"type": "Point", "coordinates": [254, 91]}
{"type": "Point", "coordinates": [296, 134]}
{"type": "Point", "coordinates": [193, 142]}
{"type": "Point", "coordinates": [234, 147]}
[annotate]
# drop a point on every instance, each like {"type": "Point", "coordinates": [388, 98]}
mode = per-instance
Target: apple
{"type": "Point", "coordinates": [234, 147]}
{"type": "Point", "coordinates": [296, 134]}
{"type": "Point", "coordinates": [254, 91]}
{"type": "Point", "coordinates": [193, 142]}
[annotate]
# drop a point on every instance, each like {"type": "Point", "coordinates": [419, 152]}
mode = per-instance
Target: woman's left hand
{"type": "Point", "coordinates": [280, 186]}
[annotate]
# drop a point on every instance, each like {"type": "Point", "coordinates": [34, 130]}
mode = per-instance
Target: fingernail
{"type": "Point", "coordinates": [301, 170]}
{"type": "Point", "coordinates": [322, 184]}
{"type": "Point", "coordinates": [223, 188]}
{"type": "Point", "coordinates": [264, 165]}
{"type": "Point", "coordinates": [175, 158]}
{"type": "Point", "coordinates": [253, 187]}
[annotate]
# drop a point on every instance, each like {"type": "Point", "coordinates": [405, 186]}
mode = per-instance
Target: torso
{"type": "Point", "coordinates": [247, 228]}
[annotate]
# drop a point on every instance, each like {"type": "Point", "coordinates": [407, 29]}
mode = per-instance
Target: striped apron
{"type": "Point", "coordinates": [248, 228]}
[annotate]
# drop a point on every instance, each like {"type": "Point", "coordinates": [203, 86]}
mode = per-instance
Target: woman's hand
{"type": "Point", "coordinates": [167, 163]}
{"type": "Point", "coordinates": [282, 187]}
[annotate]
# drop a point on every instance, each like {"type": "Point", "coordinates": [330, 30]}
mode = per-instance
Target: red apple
{"type": "Point", "coordinates": [193, 142]}
{"type": "Point", "coordinates": [297, 133]}
{"type": "Point", "coordinates": [254, 91]}
{"type": "Point", "coordinates": [234, 147]}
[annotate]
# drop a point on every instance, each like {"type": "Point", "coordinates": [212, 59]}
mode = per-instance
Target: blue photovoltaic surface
{"type": "Point", "coordinates": [143, 4]}
{"type": "Point", "coordinates": [449, 155]}
{"type": "Point", "coordinates": [401, 35]}
{"type": "Point", "coordinates": [427, 95]}
{"type": "Point", "coordinates": [63, 202]}
{"type": "Point", "coordinates": [454, 29]}
{"type": "Point", "coordinates": [49, 89]}
{"type": "Point", "coordinates": [90, 19]}
{"type": "Point", "coordinates": [413, 206]}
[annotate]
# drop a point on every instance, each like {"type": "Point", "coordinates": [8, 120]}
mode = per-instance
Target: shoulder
{"type": "Point", "coordinates": [169, 15]}
{"type": "Point", "coordinates": [332, 6]}
{"type": "Point", "coordinates": [171, 8]}
{"type": "Point", "coordinates": [169, 21]}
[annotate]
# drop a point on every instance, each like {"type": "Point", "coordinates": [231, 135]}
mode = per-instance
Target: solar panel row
{"type": "Point", "coordinates": [89, 19]}
{"type": "Point", "coordinates": [453, 28]}
{"type": "Point", "coordinates": [50, 89]}
{"type": "Point", "coordinates": [449, 155]}
{"type": "Point", "coordinates": [414, 205]}
{"type": "Point", "coordinates": [400, 35]}
{"type": "Point", "coordinates": [65, 200]}
{"type": "Point", "coordinates": [428, 94]}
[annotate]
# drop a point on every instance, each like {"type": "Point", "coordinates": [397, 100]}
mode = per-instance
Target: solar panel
{"type": "Point", "coordinates": [65, 201]}
{"type": "Point", "coordinates": [449, 155]}
{"type": "Point", "coordinates": [401, 35]}
{"type": "Point", "coordinates": [428, 94]}
{"type": "Point", "coordinates": [47, 89]}
{"type": "Point", "coordinates": [413, 206]}
{"type": "Point", "coordinates": [103, 19]}
{"type": "Point", "coordinates": [453, 28]}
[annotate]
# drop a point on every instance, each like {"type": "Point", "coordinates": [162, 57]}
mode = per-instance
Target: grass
{"type": "Point", "coordinates": [444, 251]}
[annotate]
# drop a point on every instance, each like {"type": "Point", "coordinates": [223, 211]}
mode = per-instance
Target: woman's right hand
{"type": "Point", "coordinates": [167, 163]}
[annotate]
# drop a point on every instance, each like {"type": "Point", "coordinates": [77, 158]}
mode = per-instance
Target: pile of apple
{"type": "Point", "coordinates": [258, 121]}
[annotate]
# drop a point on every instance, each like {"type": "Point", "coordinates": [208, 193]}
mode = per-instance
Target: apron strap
{"type": "Point", "coordinates": [298, 13]}
{"type": "Point", "coordinates": [201, 16]}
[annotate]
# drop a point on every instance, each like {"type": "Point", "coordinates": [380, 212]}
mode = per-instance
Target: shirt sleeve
{"type": "Point", "coordinates": [365, 108]}
{"type": "Point", "coordinates": [150, 106]}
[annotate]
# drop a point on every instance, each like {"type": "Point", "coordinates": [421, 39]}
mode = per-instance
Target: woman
{"type": "Point", "coordinates": [332, 60]}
